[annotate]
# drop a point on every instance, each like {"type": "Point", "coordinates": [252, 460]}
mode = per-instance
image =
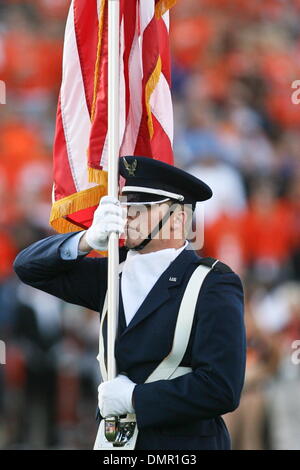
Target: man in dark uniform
{"type": "Point", "coordinates": [183, 412]}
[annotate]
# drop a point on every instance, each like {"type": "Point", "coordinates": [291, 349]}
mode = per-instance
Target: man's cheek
{"type": "Point", "coordinates": [141, 224]}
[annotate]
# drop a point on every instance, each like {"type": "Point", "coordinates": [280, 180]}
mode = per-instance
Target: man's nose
{"type": "Point", "coordinates": [132, 213]}
{"type": "Point", "coordinates": [128, 215]}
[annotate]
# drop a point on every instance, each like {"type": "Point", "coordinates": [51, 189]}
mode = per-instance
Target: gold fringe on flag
{"type": "Point", "coordinates": [71, 204]}
{"type": "Point", "coordinates": [162, 6]}
{"type": "Point", "coordinates": [150, 87]}
{"type": "Point", "coordinates": [98, 176]}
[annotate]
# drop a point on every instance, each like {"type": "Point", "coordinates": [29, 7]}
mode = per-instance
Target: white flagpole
{"type": "Point", "coordinates": [113, 163]}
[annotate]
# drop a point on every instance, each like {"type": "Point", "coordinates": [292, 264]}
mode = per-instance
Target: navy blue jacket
{"type": "Point", "coordinates": [182, 413]}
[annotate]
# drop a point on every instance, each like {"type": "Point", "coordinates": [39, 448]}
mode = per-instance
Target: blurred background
{"type": "Point", "coordinates": [235, 125]}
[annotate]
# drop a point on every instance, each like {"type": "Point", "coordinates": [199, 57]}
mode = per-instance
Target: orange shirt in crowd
{"type": "Point", "coordinates": [19, 145]}
{"type": "Point", "coordinates": [268, 234]}
{"type": "Point", "coordinates": [31, 62]}
{"type": "Point", "coordinates": [190, 38]}
{"type": "Point", "coordinates": [253, 235]}
{"type": "Point", "coordinates": [224, 240]}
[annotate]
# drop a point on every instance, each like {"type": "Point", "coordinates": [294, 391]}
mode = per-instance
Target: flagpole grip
{"type": "Point", "coordinates": [113, 161]}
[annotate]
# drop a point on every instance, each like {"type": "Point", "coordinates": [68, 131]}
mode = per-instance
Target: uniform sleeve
{"type": "Point", "coordinates": [214, 386]}
{"type": "Point", "coordinates": [81, 281]}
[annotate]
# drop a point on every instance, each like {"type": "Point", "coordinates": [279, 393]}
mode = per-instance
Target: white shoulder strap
{"type": "Point", "coordinates": [183, 326]}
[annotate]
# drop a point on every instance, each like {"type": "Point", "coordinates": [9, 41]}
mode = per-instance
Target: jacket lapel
{"type": "Point", "coordinates": [160, 292]}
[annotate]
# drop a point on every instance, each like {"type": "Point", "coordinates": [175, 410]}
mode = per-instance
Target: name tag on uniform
{"type": "Point", "coordinates": [173, 279]}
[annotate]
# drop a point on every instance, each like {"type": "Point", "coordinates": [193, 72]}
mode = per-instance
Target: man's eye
{"type": "Point", "coordinates": [133, 199]}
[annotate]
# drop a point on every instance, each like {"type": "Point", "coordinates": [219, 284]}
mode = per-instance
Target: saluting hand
{"type": "Point", "coordinates": [108, 218]}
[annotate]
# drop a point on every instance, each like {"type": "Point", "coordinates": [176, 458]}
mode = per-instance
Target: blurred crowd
{"type": "Point", "coordinates": [237, 128]}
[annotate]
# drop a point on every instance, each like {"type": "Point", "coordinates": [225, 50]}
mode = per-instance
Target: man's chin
{"type": "Point", "coordinates": [129, 243]}
{"type": "Point", "coordinates": [133, 238]}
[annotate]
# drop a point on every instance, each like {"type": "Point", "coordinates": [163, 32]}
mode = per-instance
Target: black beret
{"type": "Point", "coordinates": [146, 175]}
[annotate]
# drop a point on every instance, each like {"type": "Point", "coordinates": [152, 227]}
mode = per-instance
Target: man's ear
{"type": "Point", "coordinates": [179, 219]}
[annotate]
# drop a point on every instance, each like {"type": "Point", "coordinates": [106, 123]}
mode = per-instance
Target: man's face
{"type": "Point", "coordinates": [141, 220]}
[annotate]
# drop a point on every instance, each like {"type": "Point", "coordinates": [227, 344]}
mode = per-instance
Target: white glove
{"type": "Point", "coordinates": [107, 218]}
{"type": "Point", "coordinates": [115, 396]}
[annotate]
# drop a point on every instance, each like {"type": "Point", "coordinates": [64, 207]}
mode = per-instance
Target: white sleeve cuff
{"type": "Point", "coordinates": [69, 249]}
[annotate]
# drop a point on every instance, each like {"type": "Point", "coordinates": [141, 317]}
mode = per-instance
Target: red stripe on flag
{"type": "Point", "coordinates": [63, 179]}
{"type": "Point", "coordinates": [150, 53]}
{"type": "Point", "coordinates": [164, 49]}
{"type": "Point", "coordinates": [86, 30]}
{"type": "Point", "coordinates": [150, 50]}
{"type": "Point", "coordinates": [129, 30]}
{"type": "Point", "coordinates": [99, 126]}
{"type": "Point", "coordinates": [155, 43]}
{"type": "Point", "coordinates": [160, 144]}
{"type": "Point", "coordinates": [143, 144]}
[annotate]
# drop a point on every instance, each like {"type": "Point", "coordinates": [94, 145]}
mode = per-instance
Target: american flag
{"type": "Point", "coordinates": [146, 114]}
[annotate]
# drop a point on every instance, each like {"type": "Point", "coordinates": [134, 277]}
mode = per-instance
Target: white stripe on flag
{"type": "Point", "coordinates": [147, 10]}
{"type": "Point", "coordinates": [75, 115]}
{"type": "Point", "coordinates": [166, 18]}
{"type": "Point", "coordinates": [135, 107]}
{"type": "Point", "coordinates": [161, 106]}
